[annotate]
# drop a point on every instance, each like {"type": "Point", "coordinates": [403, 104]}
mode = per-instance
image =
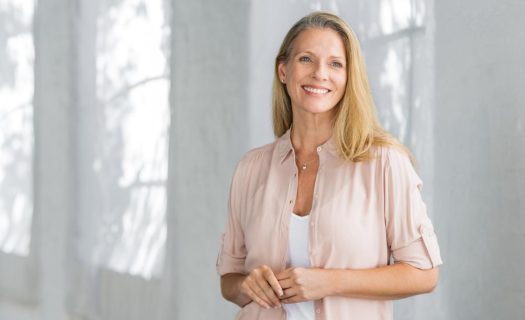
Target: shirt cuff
{"type": "Point", "coordinates": [423, 253]}
{"type": "Point", "coordinates": [228, 264]}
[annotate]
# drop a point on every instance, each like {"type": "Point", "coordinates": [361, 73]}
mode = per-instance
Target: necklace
{"type": "Point", "coordinates": [305, 165]}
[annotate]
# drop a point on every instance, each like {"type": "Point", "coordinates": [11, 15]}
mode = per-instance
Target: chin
{"type": "Point", "coordinates": [318, 109]}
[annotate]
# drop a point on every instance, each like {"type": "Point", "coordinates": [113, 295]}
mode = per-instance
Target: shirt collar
{"type": "Point", "coordinates": [285, 147]}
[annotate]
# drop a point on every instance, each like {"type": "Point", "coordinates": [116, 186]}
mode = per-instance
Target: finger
{"type": "Point", "coordinates": [288, 293]}
{"type": "Point", "coordinates": [258, 287]}
{"type": "Point", "coordinates": [250, 288]}
{"type": "Point", "coordinates": [284, 274]}
{"type": "Point", "coordinates": [286, 283]}
{"type": "Point", "coordinates": [258, 300]}
{"type": "Point", "coordinates": [293, 299]}
{"type": "Point", "coordinates": [267, 291]}
{"type": "Point", "coordinates": [274, 283]}
{"type": "Point", "coordinates": [289, 297]}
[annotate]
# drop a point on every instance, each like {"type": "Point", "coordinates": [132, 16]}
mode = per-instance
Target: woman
{"type": "Point", "coordinates": [316, 216]}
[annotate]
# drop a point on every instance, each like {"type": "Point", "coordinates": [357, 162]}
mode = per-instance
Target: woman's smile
{"type": "Point", "coordinates": [315, 90]}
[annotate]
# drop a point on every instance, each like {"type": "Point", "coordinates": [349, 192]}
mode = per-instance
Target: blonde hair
{"type": "Point", "coordinates": [356, 126]}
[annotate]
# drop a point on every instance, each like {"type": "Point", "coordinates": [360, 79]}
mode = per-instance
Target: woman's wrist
{"type": "Point", "coordinates": [332, 280]}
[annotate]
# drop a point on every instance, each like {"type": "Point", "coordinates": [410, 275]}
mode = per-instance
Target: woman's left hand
{"type": "Point", "coordinates": [303, 284]}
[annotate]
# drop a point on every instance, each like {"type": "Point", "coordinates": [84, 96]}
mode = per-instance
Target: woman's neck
{"type": "Point", "coordinates": [306, 136]}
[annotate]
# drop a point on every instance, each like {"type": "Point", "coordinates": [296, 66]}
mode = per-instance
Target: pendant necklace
{"type": "Point", "coordinates": [305, 165]}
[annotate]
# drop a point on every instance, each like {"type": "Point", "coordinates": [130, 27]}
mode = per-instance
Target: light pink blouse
{"type": "Point", "coordinates": [362, 214]}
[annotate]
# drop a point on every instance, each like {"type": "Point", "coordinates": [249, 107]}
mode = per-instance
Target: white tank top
{"type": "Point", "coordinates": [298, 257]}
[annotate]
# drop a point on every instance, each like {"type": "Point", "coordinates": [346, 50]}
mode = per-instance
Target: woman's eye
{"type": "Point", "coordinates": [337, 64]}
{"type": "Point", "coordinates": [305, 59]}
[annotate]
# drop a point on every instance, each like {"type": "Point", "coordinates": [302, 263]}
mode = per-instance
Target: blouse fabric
{"type": "Point", "coordinates": [363, 214]}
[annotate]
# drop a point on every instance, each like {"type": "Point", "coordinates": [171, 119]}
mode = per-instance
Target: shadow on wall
{"type": "Point", "coordinates": [16, 123]}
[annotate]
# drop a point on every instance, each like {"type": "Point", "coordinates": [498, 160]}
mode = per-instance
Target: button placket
{"type": "Point", "coordinates": [293, 183]}
{"type": "Point", "coordinates": [287, 211]}
{"type": "Point", "coordinates": [318, 309]}
{"type": "Point", "coordinates": [313, 217]}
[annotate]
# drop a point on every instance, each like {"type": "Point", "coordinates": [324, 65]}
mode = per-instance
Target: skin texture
{"type": "Point", "coordinates": [318, 61]}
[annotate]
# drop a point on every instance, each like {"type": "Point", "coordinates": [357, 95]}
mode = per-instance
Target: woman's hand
{"type": "Point", "coordinates": [262, 286]}
{"type": "Point", "coordinates": [303, 284]}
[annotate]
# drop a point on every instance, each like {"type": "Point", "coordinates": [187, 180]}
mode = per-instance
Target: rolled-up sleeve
{"type": "Point", "coordinates": [232, 251]}
{"type": "Point", "coordinates": [410, 234]}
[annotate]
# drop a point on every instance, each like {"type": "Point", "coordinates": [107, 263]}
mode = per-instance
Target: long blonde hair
{"type": "Point", "coordinates": [356, 126]}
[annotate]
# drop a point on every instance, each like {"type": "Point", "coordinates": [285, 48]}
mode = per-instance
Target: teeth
{"type": "Point", "coordinates": [314, 90]}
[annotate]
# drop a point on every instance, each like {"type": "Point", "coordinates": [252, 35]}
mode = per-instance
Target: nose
{"type": "Point", "coordinates": [320, 72]}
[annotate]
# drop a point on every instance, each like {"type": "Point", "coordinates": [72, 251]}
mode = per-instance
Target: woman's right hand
{"type": "Point", "coordinates": [262, 286]}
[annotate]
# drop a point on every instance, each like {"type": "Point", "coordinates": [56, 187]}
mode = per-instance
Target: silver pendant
{"type": "Point", "coordinates": [304, 166]}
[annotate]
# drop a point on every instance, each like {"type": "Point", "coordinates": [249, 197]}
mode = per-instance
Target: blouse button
{"type": "Point", "coordinates": [318, 310]}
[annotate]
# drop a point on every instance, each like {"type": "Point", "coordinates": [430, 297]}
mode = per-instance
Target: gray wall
{"type": "Point", "coordinates": [480, 151]}
{"type": "Point", "coordinates": [208, 136]}
{"type": "Point", "coordinates": [44, 297]}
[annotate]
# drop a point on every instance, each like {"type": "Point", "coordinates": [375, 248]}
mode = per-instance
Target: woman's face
{"type": "Point", "coordinates": [315, 73]}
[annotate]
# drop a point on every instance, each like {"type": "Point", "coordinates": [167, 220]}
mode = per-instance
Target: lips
{"type": "Point", "coordinates": [316, 90]}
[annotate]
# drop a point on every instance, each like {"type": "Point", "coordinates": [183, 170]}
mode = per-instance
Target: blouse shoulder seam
{"type": "Point", "coordinates": [257, 153]}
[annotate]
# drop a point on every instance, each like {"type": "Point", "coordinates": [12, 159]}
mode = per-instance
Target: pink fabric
{"type": "Point", "coordinates": [362, 214]}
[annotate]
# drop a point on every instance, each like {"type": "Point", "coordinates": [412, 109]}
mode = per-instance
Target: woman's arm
{"type": "Point", "coordinates": [391, 282]}
{"type": "Point", "coordinates": [384, 283]}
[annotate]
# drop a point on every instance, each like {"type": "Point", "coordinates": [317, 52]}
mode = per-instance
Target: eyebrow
{"type": "Point", "coordinates": [310, 52]}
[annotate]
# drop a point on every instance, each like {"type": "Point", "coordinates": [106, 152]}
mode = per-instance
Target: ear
{"type": "Point", "coordinates": [281, 71]}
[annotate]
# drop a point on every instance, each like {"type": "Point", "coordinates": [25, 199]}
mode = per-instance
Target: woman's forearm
{"type": "Point", "coordinates": [230, 288]}
{"type": "Point", "coordinates": [391, 282]}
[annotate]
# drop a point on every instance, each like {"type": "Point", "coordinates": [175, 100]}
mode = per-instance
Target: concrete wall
{"type": "Point", "coordinates": [54, 92]}
{"type": "Point", "coordinates": [479, 166]}
{"type": "Point", "coordinates": [208, 136]}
